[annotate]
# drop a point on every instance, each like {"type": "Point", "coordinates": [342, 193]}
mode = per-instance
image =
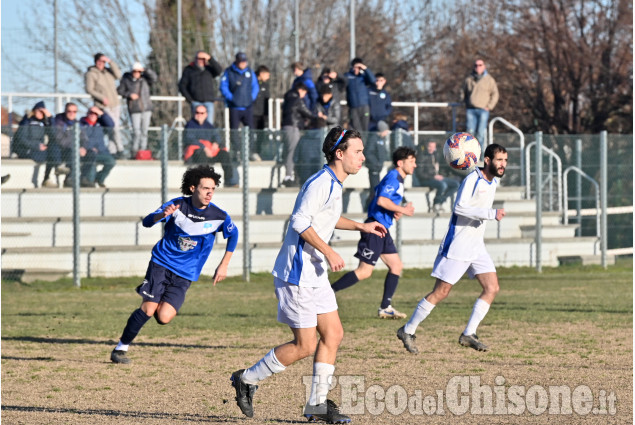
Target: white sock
{"type": "Point", "coordinates": [478, 313]}
{"type": "Point", "coordinates": [421, 312]}
{"type": "Point", "coordinates": [263, 369]}
{"type": "Point", "coordinates": [322, 377]}
{"type": "Point", "coordinates": [122, 347]}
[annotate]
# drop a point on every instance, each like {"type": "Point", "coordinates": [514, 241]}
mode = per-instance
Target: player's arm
{"type": "Point", "coordinates": [162, 213]}
{"type": "Point", "coordinates": [336, 263]}
{"type": "Point", "coordinates": [373, 227]}
{"type": "Point", "coordinates": [230, 231]}
{"type": "Point", "coordinates": [389, 205]}
{"type": "Point", "coordinates": [465, 204]}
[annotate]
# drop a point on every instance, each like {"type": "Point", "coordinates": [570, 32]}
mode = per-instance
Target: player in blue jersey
{"type": "Point", "coordinates": [463, 250]}
{"type": "Point", "coordinates": [192, 222]}
{"type": "Point", "coordinates": [385, 206]}
{"type": "Point", "coordinates": [306, 301]}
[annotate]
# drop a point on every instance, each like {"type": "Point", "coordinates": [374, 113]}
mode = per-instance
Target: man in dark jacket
{"type": "Point", "coordinates": [197, 83]}
{"type": "Point", "coordinates": [30, 141]}
{"type": "Point", "coordinates": [135, 87]}
{"type": "Point", "coordinates": [294, 113]}
{"type": "Point", "coordinates": [261, 113]}
{"type": "Point", "coordinates": [358, 79]}
{"type": "Point", "coordinates": [380, 103]}
{"type": "Point", "coordinates": [306, 77]}
{"type": "Point", "coordinates": [96, 151]}
{"type": "Point", "coordinates": [203, 146]}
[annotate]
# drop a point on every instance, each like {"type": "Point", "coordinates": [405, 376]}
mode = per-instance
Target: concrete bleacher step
{"type": "Point", "coordinates": [586, 259]}
{"type": "Point", "coordinates": [557, 231]}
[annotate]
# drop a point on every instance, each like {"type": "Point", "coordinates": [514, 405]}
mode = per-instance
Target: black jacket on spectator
{"type": "Point", "coordinates": [31, 133]}
{"type": "Point", "coordinates": [140, 86]}
{"type": "Point", "coordinates": [261, 105]}
{"type": "Point", "coordinates": [198, 84]}
{"type": "Point", "coordinates": [294, 110]}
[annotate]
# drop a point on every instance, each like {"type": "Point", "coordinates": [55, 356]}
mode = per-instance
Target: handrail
{"type": "Point", "coordinates": [553, 155]}
{"type": "Point", "coordinates": [490, 133]}
{"type": "Point", "coordinates": [597, 196]}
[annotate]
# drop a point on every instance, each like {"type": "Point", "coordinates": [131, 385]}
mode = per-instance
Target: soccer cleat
{"type": "Point", "coordinates": [390, 313]}
{"type": "Point", "coordinates": [244, 393]}
{"type": "Point", "coordinates": [472, 342]}
{"type": "Point", "coordinates": [408, 340]}
{"type": "Point", "coordinates": [119, 356]}
{"type": "Point", "coordinates": [326, 412]}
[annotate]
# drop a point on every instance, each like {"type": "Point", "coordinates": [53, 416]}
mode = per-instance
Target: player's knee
{"type": "Point", "coordinates": [363, 273]}
{"type": "Point", "coordinates": [396, 268]}
{"type": "Point", "coordinates": [161, 320]}
{"type": "Point", "coordinates": [306, 347]}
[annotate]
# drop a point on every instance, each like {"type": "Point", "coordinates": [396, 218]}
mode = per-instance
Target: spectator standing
{"type": "Point", "coordinates": [427, 175]}
{"type": "Point", "coordinates": [203, 145]}
{"type": "Point", "coordinates": [240, 88]}
{"type": "Point", "coordinates": [359, 78]}
{"type": "Point", "coordinates": [328, 106]}
{"type": "Point", "coordinates": [30, 141]}
{"type": "Point", "coordinates": [380, 103]}
{"type": "Point", "coordinates": [261, 111]}
{"type": "Point", "coordinates": [198, 84]}
{"type": "Point", "coordinates": [480, 94]}
{"type": "Point", "coordinates": [100, 84]}
{"type": "Point", "coordinates": [135, 87]}
{"type": "Point", "coordinates": [306, 77]}
{"type": "Point", "coordinates": [93, 125]}
{"type": "Point", "coordinates": [294, 113]}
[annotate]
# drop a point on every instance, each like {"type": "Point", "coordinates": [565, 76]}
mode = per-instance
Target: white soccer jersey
{"type": "Point", "coordinates": [318, 205]}
{"type": "Point", "coordinates": [464, 238]}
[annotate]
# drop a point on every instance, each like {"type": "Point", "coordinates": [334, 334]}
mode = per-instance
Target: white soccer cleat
{"type": "Point", "coordinates": [390, 313]}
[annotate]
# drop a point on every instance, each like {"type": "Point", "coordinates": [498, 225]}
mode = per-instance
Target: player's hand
{"type": "Point", "coordinates": [375, 228]}
{"type": "Point", "coordinates": [397, 216]}
{"type": "Point", "coordinates": [336, 263]}
{"type": "Point", "coordinates": [500, 213]}
{"type": "Point", "coordinates": [220, 274]}
{"type": "Point", "coordinates": [409, 209]}
{"type": "Point", "coordinates": [169, 210]}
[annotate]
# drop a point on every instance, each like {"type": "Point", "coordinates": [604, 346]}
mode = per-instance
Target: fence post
{"type": "Point", "coordinates": [578, 186]}
{"type": "Point", "coordinates": [246, 245]}
{"type": "Point", "coordinates": [164, 164]}
{"type": "Point", "coordinates": [76, 240]}
{"type": "Point", "coordinates": [538, 236]}
{"type": "Point", "coordinates": [603, 195]}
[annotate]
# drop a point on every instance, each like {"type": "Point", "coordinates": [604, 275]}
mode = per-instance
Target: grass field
{"type": "Point", "coordinates": [570, 326]}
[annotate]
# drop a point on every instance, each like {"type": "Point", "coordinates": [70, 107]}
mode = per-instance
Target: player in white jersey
{"type": "Point", "coordinates": [306, 301]}
{"type": "Point", "coordinates": [463, 249]}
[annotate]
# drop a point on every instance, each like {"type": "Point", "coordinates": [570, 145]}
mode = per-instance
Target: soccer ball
{"type": "Point", "coordinates": [462, 151]}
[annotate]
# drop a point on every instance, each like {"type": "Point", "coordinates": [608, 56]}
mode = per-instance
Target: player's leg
{"type": "Point", "coordinates": [369, 248]}
{"type": "Point", "coordinates": [485, 272]}
{"type": "Point", "coordinates": [395, 266]}
{"type": "Point", "coordinates": [172, 299]}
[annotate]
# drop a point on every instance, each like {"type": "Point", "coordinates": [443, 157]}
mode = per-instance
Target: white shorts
{"type": "Point", "coordinates": [299, 306]}
{"type": "Point", "coordinates": [450, 271]}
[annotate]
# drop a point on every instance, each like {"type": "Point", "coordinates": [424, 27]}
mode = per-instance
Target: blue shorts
{"type": "Point", "coordinates": [162, 285]}
{"type": "Point", "coordinates": [371, 246]}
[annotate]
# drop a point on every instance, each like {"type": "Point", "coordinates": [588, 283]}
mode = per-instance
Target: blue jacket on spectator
{"type": "Point", "coordinates": [64, 130]}
{"type": "Point", "coordinates": [312, 95]}
{"type": "Point", "coordinates": [239, 87]}
{"type": "Point", "coordinates": [31, 133]}
{"type": "Point", "coordinates": [380, 106]}
{"type": "Point", "coordinates": [206, 131]}
{"type": "Point", "coordinates": [94, 134]}
{"type": "Point", "coordinates": [357, 87]}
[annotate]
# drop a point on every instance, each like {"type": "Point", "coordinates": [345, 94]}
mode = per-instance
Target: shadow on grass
{"type": "Point", "coordinates": [42, 340]}
{"type": "Point", "coordinates": [41, 359]}
{"type": "Point", "coordinates": [141, 415]}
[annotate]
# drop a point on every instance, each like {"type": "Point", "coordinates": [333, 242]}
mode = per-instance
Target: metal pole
{"type": "Point", "coordinates": [55, 46]}
{"type": "Point", "coordinates": [76, 239]}
{"type": "Point", "coordinates": [578, 186]}
{"type": "Point", "coordinates": [296, 30]}
{"type": "Point", "coordinates": [179, 52]}
{"type": "Point", "coordinates": [603, 195]}
{"type": "Point", "coordinates": [539, 201]}
{"type": "Point", "coordinates": [352, 25]}
{"type": "Point", "coordinates": [164, 164]}
{"type": "Point", "coordinates": [246, 245]}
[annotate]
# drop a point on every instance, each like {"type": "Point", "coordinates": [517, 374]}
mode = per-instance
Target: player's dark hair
{"type": "Point", "coordinates": [401, 153]}
{"type": "Point", "coordinates": [493, 149]}
{"type": "Point", "coordinates": [193, 176]}
{"type": "Point", "coordinates": [337, 139]}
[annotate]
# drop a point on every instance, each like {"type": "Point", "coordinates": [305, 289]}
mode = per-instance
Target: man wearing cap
{"type": "Point", "coordinates": [239, 85]}
{"type": "Point", "coordinates": [135, 88]}
{"type": "Point", "coordinates": [198, 84]}
{"type": "Point", "coordinates": [100, 84]}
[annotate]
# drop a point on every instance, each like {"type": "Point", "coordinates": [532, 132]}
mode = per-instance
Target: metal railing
{"type": "Point", "coordinates": [490, 135]}
{"type": "Point", "coordinates": [552, 157]}
{"type": "Point", "coordinates": [596, 185]}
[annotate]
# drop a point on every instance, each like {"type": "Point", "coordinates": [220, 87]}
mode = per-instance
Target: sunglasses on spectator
{"type": "Point", "coordinates": [201, 59]}
{"type": "Point", "coordinates": [71, 111]}
{"type": "Point", "coordinates": [200, 112]}
{"type": "Point", "coordinates": [476, 65]}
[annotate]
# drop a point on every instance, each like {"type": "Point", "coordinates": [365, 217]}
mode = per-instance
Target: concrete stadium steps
{"type": "Point", "coordinates": [133, 260]}
{"type": "Point", "coordinates": [128, 230]}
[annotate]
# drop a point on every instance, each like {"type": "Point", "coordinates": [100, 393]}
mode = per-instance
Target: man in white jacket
{"type": "Point", "coordinates": [463, 250]}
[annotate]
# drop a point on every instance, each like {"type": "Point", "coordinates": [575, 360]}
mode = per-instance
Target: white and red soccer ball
{"type": "Point", "coordinates": [462, 151]}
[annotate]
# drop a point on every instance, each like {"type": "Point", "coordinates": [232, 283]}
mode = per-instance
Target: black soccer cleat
{"type": "Point", "coordinates": [119, 356]}
{"type": "Point", "coordinates": [408, 340]}
{"type": "Point", "coordinates": [244, 393]}
{"type": "Point", "coordinates": [472, 341]}
{"type": "Point", "coordinates": [326, 412]}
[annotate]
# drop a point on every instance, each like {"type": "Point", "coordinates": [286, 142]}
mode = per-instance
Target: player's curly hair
{"type": "Point", "coordinates": [193, 176]}
{"type": "Point", "coordinates": [337, 139]}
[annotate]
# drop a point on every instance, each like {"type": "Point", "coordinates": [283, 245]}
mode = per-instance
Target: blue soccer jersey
{"type": "Point", "coordinates": [391, 187]}
{"type": "Point", "coordinates": [189, 236]}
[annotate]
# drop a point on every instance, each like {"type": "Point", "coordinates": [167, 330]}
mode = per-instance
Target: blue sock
{"type": "Point", "coordinates": [136, 321]}
{"type": "Point", "coordinates": [390, 286]}
{"type": "Point", "coordinates": [349, 279]}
